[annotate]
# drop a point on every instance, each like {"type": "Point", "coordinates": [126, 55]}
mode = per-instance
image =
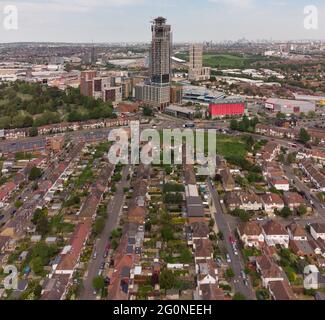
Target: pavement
{"type": "Point", "coordinates": [114, 209]}
{"type": "Point", "coordinates": [237, 262]}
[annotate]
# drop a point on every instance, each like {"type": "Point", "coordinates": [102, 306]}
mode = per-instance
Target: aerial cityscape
{"type": "Point", "coordinates": [84, 215]}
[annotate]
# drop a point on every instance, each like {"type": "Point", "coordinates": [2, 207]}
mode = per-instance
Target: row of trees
{"type": "Point", "coordinates": [244, 125]}
{"type": "Point", "coordinates": [26, 105]}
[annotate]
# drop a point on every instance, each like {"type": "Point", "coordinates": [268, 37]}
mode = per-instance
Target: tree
{"type": "Point", "coordinates": [302, 210]}
{"type": "Point", "coordinates": [18, 204]}
{"type": "Point", "coordinates": [280, 115]}
{"type": "Point", "coordinates": [167, 279]}
{"type": "Point", "coordinates": [291, 158]}
{"type": "Point", "coordinates": [239, 296]}
{"type": "Point", "coordinates": [43, 226]}
{"type": "Point", "coordinates": [304, 136]}
{"type": "Point", "coordinates": [221, 235]}
{"type": "Point", "coordinates": [230, 273]}
{"type": "Point", "coordinates": [262, 294]}
{"type": "Point", "coordinates": [35, 174]}
{"type": "Point", "coordinates": [249, 142]}
{"type": "Point", "coordinates": [167, 233]}
{"type": "Point", "coordinates": [99, 225]}
{"type": "Point", "coordinates": [285, 212]}
{"type": "Point", "coordinates": [242, 214]}
{"type": "Point", "coordinates": [37, 266]}
{"type": "Point", "coordinates": [147, 112]}
{"type": "Point", "coordinates": [99, 283]}
{"type": "Point", "coordinates": [311, 114]}
{"type": "Point", "coordinates": [233, 124]}
{"type": "Point", "coordinates": [33, 132]}
{"type": "Point", "coordinates": [35, 186]}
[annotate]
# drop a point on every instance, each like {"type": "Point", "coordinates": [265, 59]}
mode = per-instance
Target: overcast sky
{"type": "Point", "coordinates": [129, 20]}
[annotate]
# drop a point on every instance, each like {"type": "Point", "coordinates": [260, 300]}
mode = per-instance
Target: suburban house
{"type": "Point", "coordinates": [272, 169]}
{"type": "Point", "coordinates": [293, 200]}
{"type": "Point", "coordinates": [270, 151]}
{"type": "Point", "coordinates": [207, 273]}
{"type": "Point", "coordinates": [281, 290]}
{"type": "Point", "coordinates": [243, 200]}
{"type": "Point", "coordinates": [280, 183]}
{"type": "Point", "coordinates": [203, 250]}
{"type": "Point", "coordinates": [268, 270]}
{"type": "Point", "coordinates": [277, 132]}
{"type": "Point", "coordinates": [250, 234]}
{"type": "Point", "coordinates": [210, 292]}
{"type": "Point", "coordinates": [318, 246]}
{"type": "Point", "coordinates": [301, 248]}
{"type": "Point", "coordinates": [317, 230]}
{"type": "Point", "coordinates": [272, 202]}
{"type": "Point", "coordinates": [275, 234]}
{"type": "Point", "coordinates": [317, 178]}
{"type": "Point", "coordinates": [71, 253]}
{"type": "Point", "coordinates": [313, 278]}
{"type": "Point", "coordinates": [200, 230]}
{"type": "Point", "coordinates": [228, 181]}
{"type": "Point", "coordinates": [296, 232]}
{"type": "Point", "coordinates": [6, 191]}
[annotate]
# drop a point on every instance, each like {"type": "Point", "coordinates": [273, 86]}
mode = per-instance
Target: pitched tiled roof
{"type": "Point", "coordinates": [274, 228]}
{"type": "Point", "coordinates": [250, 229]}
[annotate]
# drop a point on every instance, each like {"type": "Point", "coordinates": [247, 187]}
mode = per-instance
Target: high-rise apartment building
{"type": "Point", "coordinates": [87, 83]}
{"type": "Point", "coordinates": [196, 56]}
{"type": "Point", "coordinates": [160, 52]}
{"type": "Point", "coordinates": [196, 70]}
{"type": "Point", "coordinates": [156, 93]}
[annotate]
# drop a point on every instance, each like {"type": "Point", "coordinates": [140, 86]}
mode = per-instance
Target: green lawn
{"type": "Point", "coordinates": [224, 61]}
{"type": "Point", "coordinates": [219, 60]}
{"type": "Point", "coordinates": [230, 146]}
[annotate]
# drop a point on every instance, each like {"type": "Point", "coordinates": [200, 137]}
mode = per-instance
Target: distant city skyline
{"type": "Point", "coordinates": [104, 21]}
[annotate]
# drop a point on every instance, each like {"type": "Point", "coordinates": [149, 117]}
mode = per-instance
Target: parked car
{"type": "Point", "coordinates": [102, 266]}
{"type": "Point", "coordinates": [243, 274]}
{"type": "Point", "coordinates": [228, 258]}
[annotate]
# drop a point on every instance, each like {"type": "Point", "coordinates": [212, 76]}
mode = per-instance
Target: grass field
{"type": "Point", "coordinates": [231, 146]}
{"type": "Point", "coordinates": [223, 61]}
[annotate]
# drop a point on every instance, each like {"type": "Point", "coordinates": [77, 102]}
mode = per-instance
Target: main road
{"type": "Point", "coordinates": [114, 209]}
{"type": "Point", "coordinates": [237, 263]}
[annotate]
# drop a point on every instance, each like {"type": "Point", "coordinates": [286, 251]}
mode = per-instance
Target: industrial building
{"type": "Point", "coordinates": [180, 112]}
{"type": "Point", "coordinates": [289, 106]}
{"type": "Point", "coordinates": [227, 107]}
{"type": "Point", "coordinates": [200, 95]}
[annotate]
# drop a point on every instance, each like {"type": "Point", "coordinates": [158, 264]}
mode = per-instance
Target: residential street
{"type": "Point", "coordinates": [237, 263]}
{"type": "Point", "coordinates": [114, 210]}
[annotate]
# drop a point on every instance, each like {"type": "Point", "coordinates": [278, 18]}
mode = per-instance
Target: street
{"type": "Point", "coordinates": [114, 210]}
{"type": "Point", "coordinates": [237, 263]}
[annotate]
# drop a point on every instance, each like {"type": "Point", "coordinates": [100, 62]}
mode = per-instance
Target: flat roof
{"type": "Point", "coordinates": [290, 102]}
{"type": "Point", "coordinates": [180, 109]}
